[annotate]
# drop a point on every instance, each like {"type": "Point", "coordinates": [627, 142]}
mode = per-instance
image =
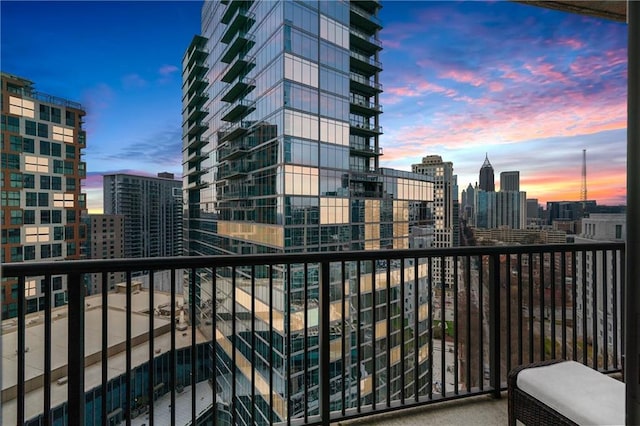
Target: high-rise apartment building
{"type": "Point", "coordinates": [510, 181]}
{"type": "Point", "coordinates": [42, 171]}
{"type": "Point", "coordinates": [601, 303]}
{"type": "Point", "coordinates": [487, 183]}
{"type": "Point", "coordinates": [442, 174]}
{"type": "Point", "coordinates": [152, 210]}
{"type": "Point", "coordinates": [105, 240]}
{"type": "Point", "coordinates": [443, 221]}
{"type": "Point", "coordinates": [280, 154]}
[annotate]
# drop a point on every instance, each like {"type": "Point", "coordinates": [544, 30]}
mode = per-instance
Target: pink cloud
{"type": "Point", "coordinates": [573, 43]}
{"type": "Point", "coordinates": [463, 77]}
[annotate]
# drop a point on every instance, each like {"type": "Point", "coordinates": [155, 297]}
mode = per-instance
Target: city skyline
{"type": "Point", "coordinates": [448, 91]}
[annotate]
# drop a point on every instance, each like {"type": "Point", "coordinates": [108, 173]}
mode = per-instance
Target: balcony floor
{"type": "Point", "coordinates": [480, 410]}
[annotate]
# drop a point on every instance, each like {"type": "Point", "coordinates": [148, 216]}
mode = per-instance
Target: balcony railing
{"type": "Point", "coordinates": [307, 338]}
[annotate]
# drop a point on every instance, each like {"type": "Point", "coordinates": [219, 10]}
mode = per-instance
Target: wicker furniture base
{"type": "Point", "coordinates": [528, 410]}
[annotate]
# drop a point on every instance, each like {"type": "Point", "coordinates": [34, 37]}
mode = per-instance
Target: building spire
{"type": "Point", "coordinates": [486, 161]}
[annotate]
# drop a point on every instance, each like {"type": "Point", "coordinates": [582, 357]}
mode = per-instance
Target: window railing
{"type": "Point", "coordinates": [312, 338]}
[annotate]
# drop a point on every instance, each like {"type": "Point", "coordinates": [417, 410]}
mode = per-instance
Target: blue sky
{"type": "Point", "coordinates": [529, 86]}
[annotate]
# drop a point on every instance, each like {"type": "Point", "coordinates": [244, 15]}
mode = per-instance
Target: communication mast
{"type": "Point", "coordinates": [583, 190]}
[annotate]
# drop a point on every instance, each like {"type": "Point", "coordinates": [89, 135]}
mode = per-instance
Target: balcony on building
{"type": "Point", "coordinates": [366, 150]}
{"type": "Point", "coordinates": [241, 41]}
{"type": "Point", "coordinates": [364, 107]}
{"type": "Point", "coordinates": [363, 41]}
{"type": "Point", "coordinates": [243, 63]}
{"type": "Point", "coordinates": [233, 150]}
{"type": "Point", "coordinates": [241, 19]}
{"type": "Point", "coordinates": [509, 303]}
{"type": "Point", "coordinates": [233, 130]}
{"type": "Point", "coordinates": [237, 110]}
{"type": "Point", "coordinates": [232, 7]}
{"type": "Point", "coordinates": [364, 128]}
{"type": "Point", "coordinates": [240, 87]}
{"type": "Point", "coordinates": [364, 63]}
{"type": "Point", "coordinates": [364, 85]}
{"type": "Point", "coordinates": [363, 18]}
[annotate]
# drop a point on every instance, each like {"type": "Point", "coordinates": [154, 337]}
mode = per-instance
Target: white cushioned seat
{"type": "Point", "coordinates": [578, 392]}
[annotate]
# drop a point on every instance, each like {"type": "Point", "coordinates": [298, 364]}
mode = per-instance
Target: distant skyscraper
{"type": "Point", "coordinates": [443, 195]}
{"type": "Point", "coordinates": [444, 222]}
{"type": "Point", "coordinates": [486, 176]}
{"type": "Point", "coordinates": [105, 240]}
{"type": "Point", "coordinates": [42, 202]}
{"type": "Point", "coordinates": [510, 181]}
{"type": "Point", "coordinates": [468, 205]}
{"type": "Point", "coordinates": [534, 218]}
{"type": "Point", "coordinates": [501, 209]}
{"type": "Point", "coordinates": [152, 210]}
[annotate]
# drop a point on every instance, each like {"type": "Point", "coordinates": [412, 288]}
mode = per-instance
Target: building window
{"type": "Point", "coordinates": [71, 184]}
{"type": "Point", "coordinates": [29, 217]}
{"type": "Point", "coordinates": [56, 183]}
{"type": "Point", "coordinates": [19, 106]}
{"type": "Point", "coordinates": [11, 198]}
{"type": "Point", "coordinates": [56, 115]}
{"type": "Point", "coordinates": [36, 234]}
{"type": "Point", "coordinates": [63, 200]}
{"type": "Point", "coordinates": [56, 150]}
{"type": "Point", "coordinates": [30, 288]}
{"type": "Point", "coordinates": [15, 143]}
{"type": "Point", "coordinates": [16, 254]}
{"type": "Point", "coordinates": [32, 199]}
{"type": "Point", "coordinates": [30, 128]}
{"type": "Point", "coordinates": [57, 283]}
{"type": "Point", "coordinates": [43, 130]}
{"type": "Point", "coordinates": [45, 217]}
{"type": "Point", "coordinates": [16, 217]}
{"type": "Point", "coordinates": [11, 236]}
{"type": "Point", "coordinates": [45, 182]}
{"type": "Point", "coordinates": [11, 124]}
{"type": "Point", "coordinates": [43, 199]}
{"type": "Point", "coordinates": [70, 151]}
{"type": "Point", "coordinates": [29, 252]}
{"type": "Point", "coordinates": [45, 251]}
{"type": "Point", "coordinates": [45, 112]}
{"type": "Point", "coordinates": [10, 162]}
{"type": "Point", "coordinates": [70, 118]}
{"type": "Point", "coordinates": [58, 232]}
{"type": "Point", "coordinates": [62, 134]}
{"type": "Point", "coordinates": [618, 232]}
{"type": "Point", "coordinates": [36, 164]}
{"type": "Point", "coordinates": [28, 145]}
{"type": "Point", "coordinates": [45, 148]}
{"type": "Point", "coordinates": [15, 180]}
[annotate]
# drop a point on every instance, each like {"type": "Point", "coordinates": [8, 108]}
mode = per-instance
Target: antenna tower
{"type": "Point", "coordinates": [583, 189]}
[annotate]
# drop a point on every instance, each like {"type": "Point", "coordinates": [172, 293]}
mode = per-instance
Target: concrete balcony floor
{"type": "Point", "coordinates": [480, 410]}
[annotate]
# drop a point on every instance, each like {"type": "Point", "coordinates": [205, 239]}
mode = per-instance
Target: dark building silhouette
{"type": "Point", "coordinates": [486, 176]}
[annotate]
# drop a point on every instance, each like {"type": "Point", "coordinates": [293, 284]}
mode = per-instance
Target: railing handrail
{"type": "Point", "coordinates": [183, 262]}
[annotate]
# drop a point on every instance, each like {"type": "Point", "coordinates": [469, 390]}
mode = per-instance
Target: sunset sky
{"type": "Point", "coordinates": [530, 87]}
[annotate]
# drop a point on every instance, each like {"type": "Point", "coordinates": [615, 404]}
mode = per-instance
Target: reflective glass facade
{"type": "Point", "coordinates": [280, 152]}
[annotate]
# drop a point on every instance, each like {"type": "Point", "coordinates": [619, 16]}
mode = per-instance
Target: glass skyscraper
{"type": "Point", "coordinates": [281, 154]}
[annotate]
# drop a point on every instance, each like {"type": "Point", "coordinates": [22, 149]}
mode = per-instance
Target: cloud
{"type": "Point", "coordinates": [167, 70]}
{"type": "Point", "coordinates": [133, 81]}
{"type": "Point", "coordinates": [162, 149]}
